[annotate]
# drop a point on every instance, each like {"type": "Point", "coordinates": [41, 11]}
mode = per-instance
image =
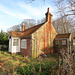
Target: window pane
{"type": "Point", "coordinates": [56, 42]}
{"type": "Point", "coordinates": [15, 42]}
{"type": "Point", "coordinates": [24, 43]}
{"type": "Point", "coordinates": [63, 42]}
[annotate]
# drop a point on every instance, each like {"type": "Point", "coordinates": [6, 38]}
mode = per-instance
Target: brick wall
{"type": "Point", "coordinates": [27, 52]}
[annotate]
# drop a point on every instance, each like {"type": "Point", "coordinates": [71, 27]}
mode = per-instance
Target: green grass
{"type": "Point", "coordinates": [19, 65]}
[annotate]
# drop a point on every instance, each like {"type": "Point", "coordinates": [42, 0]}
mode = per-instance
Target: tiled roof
{"type": "Point", "coordinates": [66, 35]}
{"type": "Point", "coordinates": [25, 33]}
{"type": "Point", "coordinates": [16, 34]}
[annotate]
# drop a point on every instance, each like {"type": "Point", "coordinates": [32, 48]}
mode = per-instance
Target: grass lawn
{"type": "Point", "coordinates": [18, 65]}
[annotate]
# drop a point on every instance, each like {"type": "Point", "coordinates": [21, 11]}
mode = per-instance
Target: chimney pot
{"type": "Point", "coordinates": [48, 9]}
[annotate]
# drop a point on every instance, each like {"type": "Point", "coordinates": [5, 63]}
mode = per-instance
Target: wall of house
{"type": "Point", "coordinates": [27, 51]}
{"type": "Point", "coordinates": [10, 45]}
{"type": "Point", "coordinates": [14, 49]}
{"type": "Point", "coordinates": [74, 44]}
{"type": "Point", "coordinates": [70, 43]}
{"type": "Point", "coordinates": [43, 39]}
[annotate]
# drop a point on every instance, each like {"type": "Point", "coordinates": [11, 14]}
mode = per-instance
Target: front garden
{"type": "Point", "coordinates": [12, 64]}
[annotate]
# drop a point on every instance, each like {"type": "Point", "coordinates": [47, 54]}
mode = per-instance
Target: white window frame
{"type": "Point", "coordinates": [64, 42]}
{"type": "Point", "coordinates": [24, 43]}
{"type": "Point", "coordinates": [15, 42]}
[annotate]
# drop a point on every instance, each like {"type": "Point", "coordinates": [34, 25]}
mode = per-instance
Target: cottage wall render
{"type": "Point", "coordinates": [44, 38]}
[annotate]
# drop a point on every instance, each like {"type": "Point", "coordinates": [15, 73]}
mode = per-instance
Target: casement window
{"type": "Point", "coordinates": [56, 42]}
{"type": "Point", "coordinates": [15, 42]}
{"type": "Point", "coordinates": [24, 43]}
{"type": "Point", "coordinates": [63, 42]}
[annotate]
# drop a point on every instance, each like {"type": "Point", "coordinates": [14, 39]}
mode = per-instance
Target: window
{"type": "Point", "coordinates": [24, 43]}
{"type": "Point", "coordinates": [15, 42]}
{"type": "Point", "coordinates": [56, 42]}
{"type": "Point", "coordinates": [63, 42]}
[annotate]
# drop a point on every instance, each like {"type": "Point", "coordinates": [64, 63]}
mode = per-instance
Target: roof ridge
{"type": "Point", "coordinates": [33, 27]}
{"type": "Point", "coordinates": [27, 32]}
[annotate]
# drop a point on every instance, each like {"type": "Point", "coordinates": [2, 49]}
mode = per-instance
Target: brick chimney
{"type": "Point", "coordinates": [23, 27]}
{"type": "Point", "coordinates": [48, 16]}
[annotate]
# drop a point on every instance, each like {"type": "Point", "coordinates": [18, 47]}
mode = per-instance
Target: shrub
{"type": "Point", "coordinates": [3, 48]}
{"type": "Point", "coordinates": [44, 68]}
{"type": "Point", "coordinates": [26, 70]}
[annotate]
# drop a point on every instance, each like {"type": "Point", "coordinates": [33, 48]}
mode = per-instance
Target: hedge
{"type": "Point", "coordinates": [4, 42]}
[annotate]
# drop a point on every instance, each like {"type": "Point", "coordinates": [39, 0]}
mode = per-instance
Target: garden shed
{"type": "Point", "coordinates": [64, 41]}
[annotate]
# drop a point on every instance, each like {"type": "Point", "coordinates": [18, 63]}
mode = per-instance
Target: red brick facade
{"type": "Point", "coordinates": [27, 52]}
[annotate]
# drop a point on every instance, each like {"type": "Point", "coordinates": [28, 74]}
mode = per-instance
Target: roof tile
{"type": "Point", "coordinates": [26, 32]}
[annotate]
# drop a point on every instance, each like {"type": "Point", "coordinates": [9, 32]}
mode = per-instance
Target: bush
{"type": "Point", "coordinates": [4, 42]}
{"type": "Point", "coordinates": [44, 68]}
{"type": "Point", "coordinates": [26, 70]}
{"type": "Point", "coordinates": [3, 48]}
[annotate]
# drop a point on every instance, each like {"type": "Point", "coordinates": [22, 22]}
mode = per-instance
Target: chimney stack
{"type": "Point", "coordinates": [23, 27]}
{"type": "Point", "coordinates": [48, 16]}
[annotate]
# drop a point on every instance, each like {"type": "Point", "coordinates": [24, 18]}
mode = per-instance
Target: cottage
{"type": "Point", "coordinates": [64, 41]}
{"type": "Point", "coordinates": [37, 40]}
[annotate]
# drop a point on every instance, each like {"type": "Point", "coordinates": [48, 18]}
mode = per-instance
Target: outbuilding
{"type": "Point", "coordinates": [64, 41]}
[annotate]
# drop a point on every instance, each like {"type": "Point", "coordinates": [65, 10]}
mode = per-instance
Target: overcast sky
{"type": "Point", "coordinates": [13, 12]}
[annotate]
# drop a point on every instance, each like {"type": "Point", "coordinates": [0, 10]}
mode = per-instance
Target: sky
{"type": "Point", "coordinates": [13, 12]}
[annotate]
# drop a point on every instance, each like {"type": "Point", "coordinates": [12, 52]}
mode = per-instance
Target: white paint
{"type": "Point", "coordinates": [10, 45]}
{"type": "Point", "coordinates": [14, 49]}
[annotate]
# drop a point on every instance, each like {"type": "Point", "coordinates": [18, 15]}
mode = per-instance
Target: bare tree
{"type": "Point", "coordinates": [27, 22]}
{"type": "Point", "coordinates": [14, 28]}
{"type": "Point", "coordinates": [63, 25]}
{"type": "Point", "coordinates": [66, 13]}
{"type": "Point", "coordinates": [67, 5]}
